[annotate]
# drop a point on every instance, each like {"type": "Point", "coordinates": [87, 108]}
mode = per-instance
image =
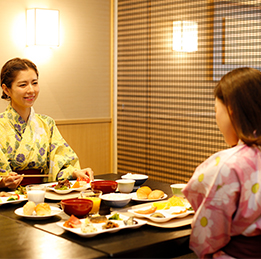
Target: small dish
{"type": "Point", "coordinates": [125, 185]}
{"type": "Point", "coordinates": [62, 191]}
{"type": "Point", "coordinates": [139, 178]}
{"type": "Point", "coordinates": [116, 199]}
{"type": "Point", "coordinates": [177, 188]}
{"type": "Point", "coordinates": [54, 211]}
{"type": "Point", "coordinates": [51, 188]}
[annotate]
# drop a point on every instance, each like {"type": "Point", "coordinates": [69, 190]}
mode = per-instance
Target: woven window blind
{"type": "Point", "coordinates": [166, 121]}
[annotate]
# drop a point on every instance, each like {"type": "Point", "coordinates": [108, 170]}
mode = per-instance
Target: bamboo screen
{"type": "Point", "coordinates": [165, 108]}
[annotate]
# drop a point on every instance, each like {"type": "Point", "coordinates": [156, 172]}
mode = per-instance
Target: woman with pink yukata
{"type": "Point", "coordinates": [225, 190]}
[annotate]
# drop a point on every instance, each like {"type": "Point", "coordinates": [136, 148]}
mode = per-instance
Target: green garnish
{"type": "Point", "coordinates": [20, 190]}
{"type": "Point", "coordinates": [115, 216]}
{"type": "Point", "coordinates": [12, 198]}
{"type": "Point", "coordinates": [62, 188]}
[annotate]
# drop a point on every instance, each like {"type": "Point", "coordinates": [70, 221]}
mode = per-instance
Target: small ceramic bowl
{"type": "Point", "coordinates": [139, 178]}
{"type": "Point", "coordinates": [105, 186]}
{"type": "Point", "coordinates": [116, 199]}
{"type": "Point", "coordinates": [125, 185]}
{"type": "Point", "coordinates": [77, 207]}
{"type": "Point", "coordinates": [177, 189]}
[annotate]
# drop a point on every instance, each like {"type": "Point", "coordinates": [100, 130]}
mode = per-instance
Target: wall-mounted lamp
{"type": "Point", "coordinates": [42, 27]}
{"type": "Point", "coordinates": [185, 36]}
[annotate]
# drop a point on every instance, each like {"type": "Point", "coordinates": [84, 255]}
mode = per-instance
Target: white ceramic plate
{"type": "Point", "coordinates": [4, 200]}
{"type": "Point", "coordinates": [98, 226]}
{"type": "Point", "coordinates": [135, 198]}
{"type": "Point", "coordinates": [50, 187]}
{"type": "Point", "coordinates": [54, 211]}
{"type": "Point", "coordinates": [173, 212]}
{"type": "Point", "coordinates": [50, 195]}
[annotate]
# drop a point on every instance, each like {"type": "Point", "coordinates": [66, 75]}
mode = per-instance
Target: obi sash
{"type": "Point", "coordinates": [30, 180]}
{"type": "Point", "coordinates": [244, 247]}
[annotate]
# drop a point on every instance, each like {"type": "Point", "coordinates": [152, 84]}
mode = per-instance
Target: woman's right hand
{"type": "Point", "coordinates": [11, 181]}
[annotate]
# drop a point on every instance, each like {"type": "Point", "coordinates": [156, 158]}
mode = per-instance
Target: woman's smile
{"type": "Point", "coordinates": [30, 98]}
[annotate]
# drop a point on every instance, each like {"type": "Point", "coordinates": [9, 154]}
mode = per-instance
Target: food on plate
{"type": "Point", "coordinates": [110, 224]}
{"type": "Point", "coordinates": [171, 202]}
{"type": "Point", "coordinates": [13, 197]}
{"type": "Point", "coordinates": [161, 205]}
{"type": "Point", "coordinates": [87, 227]}
{"type": "Point", "coordinates": [157, 215]}
{"type": "Point", "coordinates": [130, 221]}
{"type": "Point", "coordinates": [76, 185]}
{"type": "Point", "coordinates": [28, 208]}
{"type": "Point", "coordinates": [177, 201]}
{"type": "Point", "coordinates": [43, 209]}
{"type": "Point", "coordinates": [63, 185]}
{"type": "Point", "coordinates": [5, 194]}
{"type": "Point", "coordinates": [81, 182]}
{"type": "Point", "coordinates": [143, 192]}
{"type": "Point", "coordinates": [152, 209]}
{"type": "Point", "coordinates": [179, 212]}
{"type": "Point", "coordinates": [0, 200]}
{"type": "Point", "coordinates": [97, 219]}
{"type": "Point", "coordinates": [156, 194]}
{"type": "Point", "coordinates": [72, 222]}
{"type": "Point", "coordinates": [21, 190]}
{"type": "Point", "coordinates": [115, 216]}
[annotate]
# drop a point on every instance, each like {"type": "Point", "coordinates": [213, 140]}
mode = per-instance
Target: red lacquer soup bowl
{"type": "Point", "coordinates": [77, 207]}
{"type": "Point", "coordinates": [106, 186]}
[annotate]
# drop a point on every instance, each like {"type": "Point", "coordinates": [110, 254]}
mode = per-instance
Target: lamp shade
{"type": "Point", "coordinates": [185, 36]}
{"type": "Point", "coordinates": [42, 27]}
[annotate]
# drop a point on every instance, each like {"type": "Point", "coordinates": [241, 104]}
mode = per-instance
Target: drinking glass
{"type": "Point", "coordinates": [36, 193]}
{"type": "Point", "coordinates": [95, 197]}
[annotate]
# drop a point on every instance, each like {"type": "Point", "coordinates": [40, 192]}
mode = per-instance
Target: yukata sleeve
{"type": "Point", "coordinates": [211, 227]}
{"type": "Point", "coordinates": [63, 161]}
{"type": "Point", "coordinates": [5, 168]}
{"type": "Point", "coordinates": [5, 150]}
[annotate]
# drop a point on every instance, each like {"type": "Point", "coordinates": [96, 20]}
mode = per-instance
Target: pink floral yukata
{"type": "Point", "coordinates": [226, 196]}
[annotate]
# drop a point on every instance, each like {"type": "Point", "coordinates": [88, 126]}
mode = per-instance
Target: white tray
{"type": "Point", "coordinates": [98, 226]}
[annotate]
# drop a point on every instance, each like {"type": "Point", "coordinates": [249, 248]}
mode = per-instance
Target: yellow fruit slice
{"type": "Point", "coordinates": [176, 201]}
{"type": "Point", "coordinates": [160, 205]}
{"type": "Point", "coordinates": [171, 202]}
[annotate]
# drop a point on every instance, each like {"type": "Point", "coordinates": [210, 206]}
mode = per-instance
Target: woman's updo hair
{"type": "Point", "coordinates": [10, 70]}
{"type": "Point", "coordinates": [240, 91]}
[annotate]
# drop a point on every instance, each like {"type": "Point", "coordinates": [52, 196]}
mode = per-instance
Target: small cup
{"type": "Point", "coordinates": [177, 189]}
{"type": "Point", "coordinates": [94, 196]}
{"type": "Point", "coordinates": [125, 185]}
{"type": "Point", "coordinates": [36, 193]}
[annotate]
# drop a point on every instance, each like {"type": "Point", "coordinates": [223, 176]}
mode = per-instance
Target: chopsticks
{"type": "Point", "coordinates": [34, 175]}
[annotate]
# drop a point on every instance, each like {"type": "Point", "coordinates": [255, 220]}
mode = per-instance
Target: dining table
{"type": "Point", "coordinates": [22, 237]}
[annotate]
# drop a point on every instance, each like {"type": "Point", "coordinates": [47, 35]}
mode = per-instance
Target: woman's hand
{"type": "Point", "coordinates": [11, 181]}
{"type": "Point", "coordinates": [84, 173]}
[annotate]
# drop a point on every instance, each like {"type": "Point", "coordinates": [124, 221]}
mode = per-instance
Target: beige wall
{"type": "Point", "coordinates": [75, 78]}
{"type": "Point", "coordinates": [90, 139]}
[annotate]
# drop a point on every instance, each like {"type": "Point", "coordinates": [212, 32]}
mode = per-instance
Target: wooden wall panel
{"type": "Point", "coordinates": [165, 121]}
{"type": "Point", "coordinates": [91, 140]}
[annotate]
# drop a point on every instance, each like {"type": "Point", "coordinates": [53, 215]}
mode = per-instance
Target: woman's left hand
{"type": "Point", "coordinates": [84, 173]}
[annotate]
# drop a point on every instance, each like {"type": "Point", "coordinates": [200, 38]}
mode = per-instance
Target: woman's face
{"type": "Point", "coordinates": [224, 123]}
{"type": "Point", "coordinates": [24, 90]}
